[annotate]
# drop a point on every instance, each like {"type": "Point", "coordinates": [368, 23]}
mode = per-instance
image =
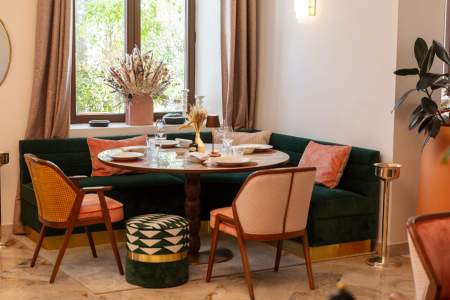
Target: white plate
{"type": "Point", "coordinates": [258, 147]}
{"type": "Point", "coordinates": [134, 149]}
{"type": "Point", "coordinates": [247, 148]}
{"type": "Point", "coordinates": [126, 156]}
{"type": "Point", "coordinates": [167, 143]}
{"type": "Point", "coordinates": [231, 161]}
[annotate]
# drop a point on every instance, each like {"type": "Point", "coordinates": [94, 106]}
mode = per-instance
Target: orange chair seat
{"type": "Point", "coordinates": [224, 227]}
{"type": "Point", "coordinates": [90, 208]}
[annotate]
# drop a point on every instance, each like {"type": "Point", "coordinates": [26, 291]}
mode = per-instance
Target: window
{"type": "Point", "coordinates": [105, 29]}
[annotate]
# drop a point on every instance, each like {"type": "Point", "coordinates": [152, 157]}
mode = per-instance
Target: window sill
{"type": "Point", "coordinates": [84, 130]}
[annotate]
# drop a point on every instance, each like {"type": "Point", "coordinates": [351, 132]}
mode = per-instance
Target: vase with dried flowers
{"type": "Point", "coordinates": [141, 79]}
{"type": "Point", "coordinates": [196, 118]}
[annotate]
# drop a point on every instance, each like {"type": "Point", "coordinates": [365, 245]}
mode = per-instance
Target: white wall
{"type": "Point", "coordinates": [408, 144]}
{"type": "Point", "coordinates": [15, 93]}
{"type": "Point", "coordinates": [330, 77]}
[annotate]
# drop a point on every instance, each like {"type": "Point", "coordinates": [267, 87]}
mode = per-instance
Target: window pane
{"type": "Point", "coordinates": [163, 32]}
{"type": "Point", "coordinates": [100, 39]}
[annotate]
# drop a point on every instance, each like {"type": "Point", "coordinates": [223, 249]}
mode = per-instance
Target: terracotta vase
{"type": "Point", "coordinates": [434, 187]}
{"type": "Point", "coordinates": [139, 110]}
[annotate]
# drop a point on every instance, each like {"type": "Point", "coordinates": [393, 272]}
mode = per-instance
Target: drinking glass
{"type": "Point", "coordinates": [227, 134]}
{"type": "Point", "coordinates": [238, 151]}
{"type": "Point", "coordinates": [160, 129]}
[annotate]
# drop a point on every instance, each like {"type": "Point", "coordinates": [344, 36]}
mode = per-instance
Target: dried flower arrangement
{"type": "Point", "coordinates": [139, 74]}
{"type": "Point", "coordinates": [196, 117]}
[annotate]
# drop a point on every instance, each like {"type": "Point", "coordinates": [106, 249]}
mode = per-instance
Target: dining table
{"type": "Point", "coordinates": [166, 160]}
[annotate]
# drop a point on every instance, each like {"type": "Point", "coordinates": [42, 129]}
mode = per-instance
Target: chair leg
{"type": "Point", "coordinates": [308, 261]}
{"type": "Point", "coordinates": [91, 241]}
{"type": "Point", "coordinates": [38, 246]}
{"type": "Point", "coordinates": [61, 252]}
{"type": "Point", "coordinates": [109, 228]}
{"type": "Point", "coordinates": [278, 257]}
{"type": "Point", "coordinates": [245, 264]}
{"type": "Point", "coordinates": [212, 253]}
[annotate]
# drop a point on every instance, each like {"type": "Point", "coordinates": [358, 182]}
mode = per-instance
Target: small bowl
{"type": "Point", "coordinates": [181, 151]}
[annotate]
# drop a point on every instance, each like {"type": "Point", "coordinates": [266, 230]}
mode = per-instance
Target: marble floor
{"type": "Point", "coordinates": [18, 281]}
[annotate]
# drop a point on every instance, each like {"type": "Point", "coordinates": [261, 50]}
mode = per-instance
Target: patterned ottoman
{"type": "Point", "coordinates": [157, 251]}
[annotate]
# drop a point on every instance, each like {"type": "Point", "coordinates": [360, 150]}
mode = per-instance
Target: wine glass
{"type": "Point", "coordinates": [160, 129]}
{"type": "Point", "coordinates": [227, 135]}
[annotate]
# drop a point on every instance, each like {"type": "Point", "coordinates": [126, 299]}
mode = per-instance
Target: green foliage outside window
{"type": "Point", "coordinates": [100, 40]}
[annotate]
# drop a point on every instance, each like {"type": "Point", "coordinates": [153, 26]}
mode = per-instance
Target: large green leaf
{"type": "Point", "coordinates": [427, 61]}
{"type": "Point", "coordinates": [425, 123]}
{"type": "Point", "coordinates": [407, 72]}
{"type": "Point", "coordinates": [434, 127]}
{"type": "Point", "coordinates": [402, 99]}
{"type": "Point", "coordinates": [429, 106]}
{"type": "Point", "coordinates": [441, 52]}
{"type": "Point", "coordinates": [427, 80]}
{"type": "Point", "coordinates": [416, 119]}
{"type": "Point", "coordinates": [420, 50]}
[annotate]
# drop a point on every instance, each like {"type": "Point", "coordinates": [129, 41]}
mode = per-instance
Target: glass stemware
{"type": "Point", "coordinates": [160, 129]}
{"type": "Point", "coordinates": [227, 135]}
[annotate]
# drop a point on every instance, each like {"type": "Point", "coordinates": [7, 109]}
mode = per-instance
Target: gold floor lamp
{"type": "Point", "coordinates": [4, 240]}
{"type": "Point", "coordinates": [386, 172]}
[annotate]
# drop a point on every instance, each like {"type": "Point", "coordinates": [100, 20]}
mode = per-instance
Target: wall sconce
{"type": "Point", "coordinates": [305, 8]}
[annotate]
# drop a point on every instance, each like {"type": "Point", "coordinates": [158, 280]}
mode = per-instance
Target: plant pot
{"type": "Point", "coordinates": [139, 110]}
{"type": "Point", "coordinates": [434, 187]}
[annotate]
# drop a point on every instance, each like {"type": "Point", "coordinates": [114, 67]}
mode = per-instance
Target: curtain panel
{"type": "Point", "coordinates": [49, 114]}
{"type": "Point", "coordinates": [239, 58]}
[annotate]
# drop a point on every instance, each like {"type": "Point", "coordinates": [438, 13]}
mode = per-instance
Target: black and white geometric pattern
{"type": "Point", "coordinates": [157, 234]}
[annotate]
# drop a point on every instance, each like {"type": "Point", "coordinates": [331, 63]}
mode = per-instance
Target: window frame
{"type": "Point", "coordinates": [133, 37]}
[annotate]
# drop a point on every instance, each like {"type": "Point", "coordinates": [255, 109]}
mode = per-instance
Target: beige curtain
{"type": "Point", "coordinates": [239, 61]}
{"type": "Point", "coordinates": [49, 114]}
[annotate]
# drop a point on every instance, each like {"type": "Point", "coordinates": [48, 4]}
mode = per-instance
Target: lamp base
{"type": "Point", "coordinates": [215, 154]}
{"type": "Point", "coordinates": [7, 244]}
{"type": "Point", "coordinates": [5, 240]}
{"type": "Point", "coordinates": [382, 263]}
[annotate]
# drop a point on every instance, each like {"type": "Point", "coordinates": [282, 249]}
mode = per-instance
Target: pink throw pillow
{"type": "Point", "coordinates": [330, 162]}
{"type": "Point", "coordinates": [99, 145]}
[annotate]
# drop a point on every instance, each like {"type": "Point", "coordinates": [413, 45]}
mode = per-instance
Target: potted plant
{"type": "Point", "coordinates": [141, 79]}
{"type": "Point", "coordinates": [432, 119]}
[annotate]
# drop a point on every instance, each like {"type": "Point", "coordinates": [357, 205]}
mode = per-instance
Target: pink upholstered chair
{"type": "Point", "coordinates": [63, 204]}
{"type": "Point", "coordinates": [272, 205]}
{"type": "Point", "coordinates": [429, 243]}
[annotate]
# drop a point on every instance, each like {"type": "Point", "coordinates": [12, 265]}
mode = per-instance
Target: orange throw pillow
{"type": "Point", "coordinates": [99, 145]}
{"type": "Point", "coordinates": [330, 162]}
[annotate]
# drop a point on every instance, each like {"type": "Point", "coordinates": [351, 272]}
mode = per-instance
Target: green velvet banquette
{"type": "Point", "coordinates": [346, 213]}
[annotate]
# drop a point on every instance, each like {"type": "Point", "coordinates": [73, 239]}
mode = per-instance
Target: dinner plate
{"type": "Point", "coordinates": [258, 147]}
{"type": "Point", "coordinates": [167, 143]}
{"type": "Point", "coordinates": [126, 156]}
{"type": "Point", "coordinates": [141, 149]}
{"type": "Point", "coordinates": [231, 161]}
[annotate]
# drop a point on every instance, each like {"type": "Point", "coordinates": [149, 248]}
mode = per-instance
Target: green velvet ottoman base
{"type": "Point", "coordinates": [157, 275]}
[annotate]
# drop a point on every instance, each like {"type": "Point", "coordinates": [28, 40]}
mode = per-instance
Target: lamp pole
{"type": "Point", "coordinates": [4, 240]}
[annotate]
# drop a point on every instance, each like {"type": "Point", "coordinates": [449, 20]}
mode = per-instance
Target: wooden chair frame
{"type": "Point", "coordinates": [72, 221]}
{"type": "Point", "coordinates": [242, 237]}
{"type": "Point", "coordinates": [435, 288]}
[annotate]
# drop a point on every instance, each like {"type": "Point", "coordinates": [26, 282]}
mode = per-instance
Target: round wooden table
{"type": "Point", "coordinates": [167, 161]}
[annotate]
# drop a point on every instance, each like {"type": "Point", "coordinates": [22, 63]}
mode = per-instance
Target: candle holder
{"type": "Point", "coordinates": [5, 241]}
{"type": "Point", "coordinates": [212, 121]}
{"type": "Point", "coordinates": [386, 172]}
